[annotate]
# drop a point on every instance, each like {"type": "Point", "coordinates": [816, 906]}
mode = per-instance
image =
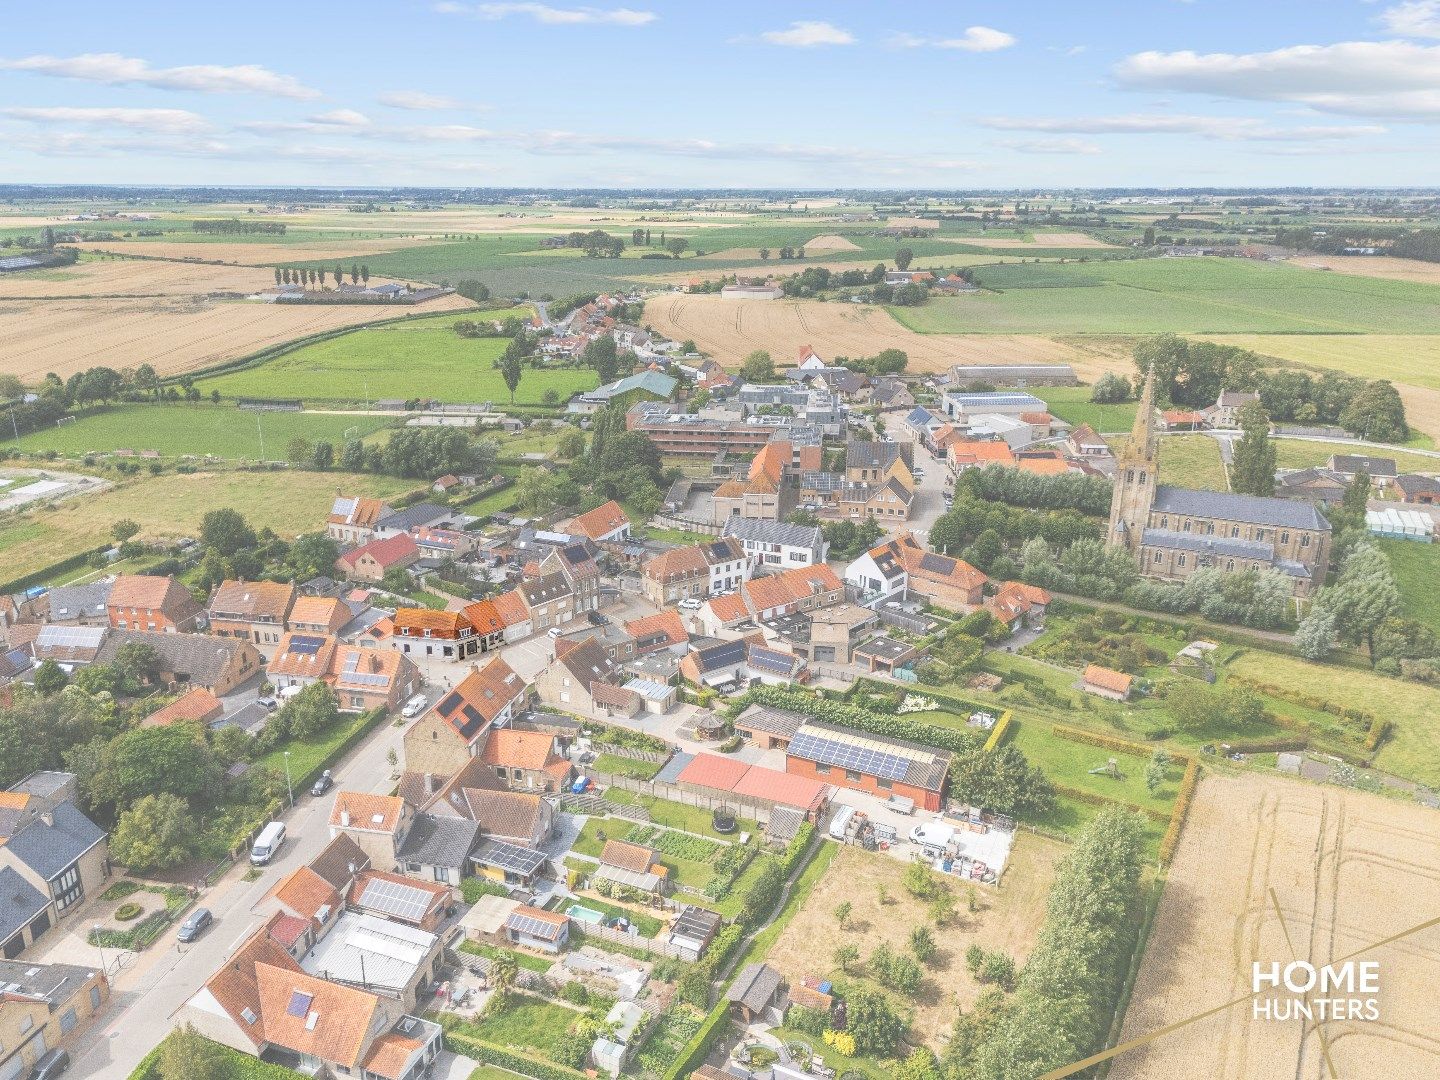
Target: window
{"type": "Point", "coordinates": [1179, 560]}
{"type": "Point", "coordinates": [66, 888]}
{"type": "Point", "coordinates": [1229, 564]}
{"type": "Point", "coordinates": [68, 1020]}
{"type": "Point", "coordinates": [1234, 531]}
{"type": "Point", "coordinates": [1164, 521]}
{"type": "Point", "coordinates": [884, 783]}
{"type": "Point", "coordinates": [1305, 541]}
{"type": "Point", "coordinates": [1142, 476]}
{"type": "Point", "coordinates": [822, 770]}
{"type": "Point", "coordinates": [1129, 476]}
{"type": "Point", "coordinates": [852, 776]}
{"type": "Point", "coordinates": [1157, 557]}
{"type": "Point", "coordinates": [1285, 537]}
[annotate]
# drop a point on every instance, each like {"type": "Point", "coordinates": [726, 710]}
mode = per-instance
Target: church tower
{"type": "Point", "coordinates": [1135, 475]}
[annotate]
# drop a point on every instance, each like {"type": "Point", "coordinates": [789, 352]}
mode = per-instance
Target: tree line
{"type": "Point", "coordinates": [236, 227]}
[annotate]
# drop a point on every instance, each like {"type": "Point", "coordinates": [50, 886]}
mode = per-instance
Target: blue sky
{"type": "Point", "coordinates": [954, 94]}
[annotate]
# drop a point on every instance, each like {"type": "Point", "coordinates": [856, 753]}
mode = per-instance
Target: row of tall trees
{"type": "Point", "coordinates": [314, 278]}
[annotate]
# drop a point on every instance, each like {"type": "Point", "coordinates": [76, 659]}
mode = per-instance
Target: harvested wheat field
{"type": "Point", "coordinates": [1008, 919]}
{"type": "Point", "coordinates": [1041, 240]}
{"type": "Point", "coordinates": [172, 334]}
{"type": "Point", "coordinates": [830, 242]}
{"type": "Point", "coordinates": [1379, 266]}
{"type": "Point", "coordinates": [730, 329]}
{"type": "Point", "coordinates": [134, 277]}
{"type": "Point", "coordinates": [1349, 870]}
{"type": "Point", "coordinates": [258, 253]}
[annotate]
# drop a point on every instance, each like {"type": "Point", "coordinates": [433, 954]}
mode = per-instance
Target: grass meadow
{"type": "Point", "coordinates": [1191, 296]}
{"type": "Point", "coordinates": [1417, 572]}
{"type": "Point", "coordinates": [1073, 405]}
{"type": "Point", "coordinates": [420, 359]}
{"type": "Point", "coordinates": [223, 431]}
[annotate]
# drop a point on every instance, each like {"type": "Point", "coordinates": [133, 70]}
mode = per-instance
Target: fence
{"type": "Point", "coordinates": [653, 757]}
{"type": "Point", "coordinates": [757, 810]}
{"type": "Point", "coordinates": [593, 932]}
{"type": "Point", "coordinates": [675, 521]}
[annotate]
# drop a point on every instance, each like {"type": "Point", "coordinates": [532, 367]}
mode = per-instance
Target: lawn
{"type": "Point", "coordinates": [612, 765]}
{"type": "Point", "coordinates": [1196, 296]}
{"type": "Point", "coordinates": [222, 431]}
{"type": "Point", "coordinates": [664, 812]}
{"type": "Point", "coordinates": [648, 925]}
{"type": "Point", "coordinates": [494, 952]}
{"type": "Point", "coordinates": [1417, 572]}
{"type": "Point", "coordinates": [171, 506]}
{"type": "Point", "coordinates": [1192, 461]}
{"type": "Point", "coordinates": [309, 756]}
{"type": "Point", "coordinates": [525, 1022]}
{"type": "Point", "coordinates": [1413, 748]}
{"type": "Point", "coordinates": [1304, 454]}
{"type": "Point", "coordinates": [673, 536]}
{"type": "Point", "coordinates": [1073, 405]}
{"type": "Point", "coordinates": [420, 359]}
{"type": "Point", "coordinates": [1069, 764]}
{"type": "Point", "coordinates": [687, 871]}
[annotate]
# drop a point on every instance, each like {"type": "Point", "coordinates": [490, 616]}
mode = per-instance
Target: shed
{"type": "Point", "coordinates": [693, 931]}
{"type": "Point", "coordinates": [537, 928]}
{"type": "Point", "coordinates": [486, 920]}
{"type": "Point", "coordinates": [755, 994]}
{"type": "Point", "coordinates": [1107, 682]}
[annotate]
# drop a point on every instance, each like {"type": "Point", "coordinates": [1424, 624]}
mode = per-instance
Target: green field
{"type": "Point", "coordinates": [1069, 763]}
{"type": "Point", "coordinates": [1417, 572]}
{"type": "Point", "coordinates": [1073, 405]}
{"type": "Point", "coordinates": [1305, 454]}
{"type": "Point", "coordinates": [173, 430]}
{"type": "Point", "coordinates": [1192, 461]}
{"type": "Point", "coordinates": [420, 359]}
{"type": "Point", "coordinates": [1193, 296]}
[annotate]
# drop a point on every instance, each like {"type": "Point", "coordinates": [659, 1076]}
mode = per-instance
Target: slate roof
{"type": "Point", "coordinates": [1231, 547]}
{"type": "Point", "coordinates": [773, 532]}
{"type": "Point", "coordinates": [75, 601]}
{"type": "Point", "coordinates": [782, 722]}
{"type": "Point", "coordinates": [420, 514]}
{"type": "Point", "coordinates": [1254, 509]}
{"type": "Point", "coordinates": [1415, 484]}
{"type": "Point", "coordinates": [335, 859]}
{"type": "Point", "coordinates": [439, 841]}
{"type": "Point", "coordinates": [202, 657]}
{"type": "Point", "coordinates": [871, 455]}
{"type": "Point", "coordinates": [754, 987]}
{"type": "Point", "coordinates": [1352, 463]}
{"type": "Point", "coordinates": [19, 902]}
{"type": "Point", "coordinates": [50, 850]}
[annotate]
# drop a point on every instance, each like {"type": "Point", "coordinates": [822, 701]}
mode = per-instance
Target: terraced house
{"type": "Point", "coordinates": [254, 610]}
{"type": "Point", "coordinates": [444, 739]}
{"type": "Point", "coordinates": [696, 571]}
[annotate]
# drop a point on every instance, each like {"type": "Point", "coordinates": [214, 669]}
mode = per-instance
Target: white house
{"type": "Point", "coordinates": [809, 359]}
{"type": "Point", "coordinates": [776, 544]}
{"type": "Point", "coordinates": [878, 575]}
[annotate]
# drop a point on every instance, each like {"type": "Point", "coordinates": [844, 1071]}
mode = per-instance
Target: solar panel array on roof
{"type": "Point", "coordinates": [366, 678]}
{"type": "Point", "coordinates": [936, 564]}
{"type": "Point", "coordinates": [863, 759]}
{"type": "Point", "coordinates": [511, 857]}
{"type": "Point", "coordinates": [771, 660]}
{"type": "Point", "coordinates": [528, 924]}
{"type": "Point", "coordinates": [70, 637]}
{"type": "Point", "coordinates": [299, 1003]}
{"type": "Point", "coordinates": [473, 720]}
{"type": "Point", "coordinates": [727, 652]}
{"type": "Point", "coordinates": [448, 704]}
{"type": "Point", "coordinates": [305, 646]}
{"type": "Point", "coordinates": [400, 899]}
{"type": "Point", "coordinates": [719, 551]}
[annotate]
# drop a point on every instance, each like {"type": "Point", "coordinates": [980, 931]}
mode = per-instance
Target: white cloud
{"type": "Point", "coordinates": [165, 121]}
{"type": "Point", "coordinates": [975, 39]}
{"type": "Point", "coordinates": [116, 70]}
{"type": "Point", "coordinates": [342, 118]}
{"type": "Point", "coordinates": [417, 100]}
{"type": "Point", "coordinates": [1237, 128]}
{"type": "Point", "coordinates": [554, 16]}
{"type": "Point", "coordinates": [1396, 79]}
{"type": "Point", "coordinates": [1417, 18]}
{"type": "Point", "coordinates": [808, 35]}
{"type": "Point", "coordinates": [1050, 146]}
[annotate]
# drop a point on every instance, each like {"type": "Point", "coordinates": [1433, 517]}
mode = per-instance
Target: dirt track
{"type": "Point", "coordinates": [1348, 870]}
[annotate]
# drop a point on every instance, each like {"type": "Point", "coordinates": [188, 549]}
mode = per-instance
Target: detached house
{"type": "Point", "coordinates": [444, 739]}
{"type": "Point", "coordinates": [353, 520]}
{"type": "Point", "coordinates": [579, 672]}
{"type": "Point", "coordinates": [143, 602]}
{"type": "Point", "coordinates": [374, 560]}
{"type": "Point", "coordinates": [254, 610]}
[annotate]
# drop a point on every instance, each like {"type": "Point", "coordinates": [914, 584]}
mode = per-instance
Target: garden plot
{"type": "Point", "coordinates": [1346, 870]}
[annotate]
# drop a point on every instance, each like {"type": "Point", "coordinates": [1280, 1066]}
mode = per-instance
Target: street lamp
{"type": "Point", "coordinates": [288, 786]}
{"type": "Point", "coordinates": [97, 931]}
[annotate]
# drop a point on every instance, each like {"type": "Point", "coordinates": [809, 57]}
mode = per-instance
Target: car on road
{"type": "Point", "coordinates": [195, 924]}
{"type": "Point", "coordinates": [555, 631]}
{"type": "Point", "coordinates": [690, 603]}
{"type": "Point", "coordinates": [323, 783]}
{"type": "Point", "coordinates": [269, 702]}
{"type": "Point", "coordinates": [414, 707]}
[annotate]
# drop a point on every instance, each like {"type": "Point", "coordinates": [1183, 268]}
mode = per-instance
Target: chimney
{"type": "Point", "coordinates": [344, 819]}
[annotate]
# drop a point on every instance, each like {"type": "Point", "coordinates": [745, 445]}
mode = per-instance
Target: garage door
{"type": "Point", "coordinates": [12, 1068]}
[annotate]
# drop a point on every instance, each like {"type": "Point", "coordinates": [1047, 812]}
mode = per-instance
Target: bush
{"type": "Point", "coordinates": [128, 912]}
{"type": "Point", "coordinates": [472, 888]}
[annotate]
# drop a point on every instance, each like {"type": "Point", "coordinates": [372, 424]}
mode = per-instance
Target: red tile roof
{"type": "Point", "coordinates": [790, 586]}
{"type": "Point", "coordinates": [519, 749]}
{"type": "Point", "coordinates": [600, 521]}
{"type": "Point", "coordinates": [713, 771]}
{"type": "Point", "coordinates": [199, 705]}
{"type": "Point", "coordinates": [666, 622]}
{"type": "Point", "coordinates": [1108, 679]}
{"type": "Point", "coordinates": [389, 552]}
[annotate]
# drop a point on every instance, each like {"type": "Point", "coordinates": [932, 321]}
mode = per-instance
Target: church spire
{"type": "Point", "coordinates": [1142, 435]}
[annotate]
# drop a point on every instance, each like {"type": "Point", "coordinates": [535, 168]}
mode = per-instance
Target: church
{"type": "Point", "coordinates": [1173, 531]}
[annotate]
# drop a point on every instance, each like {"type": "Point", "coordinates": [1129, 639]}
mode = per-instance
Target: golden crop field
{"type": "Point", "coordinates": [1380, 266]}
{"type": "Point", "coordinates": [831, 242]}
{"type": "Point", "coordinates": [731, 329]}
{"type": "Point", "coordinates": [135, 277]}
{"type": "Point", "coordinates": [250, 254]}
{"type": "Point", "coordinates": [1042, 239]}
{"type": "Point", "coordinates": [173, 334]}
{"type": "Point", "coordinates": [1347, 870]}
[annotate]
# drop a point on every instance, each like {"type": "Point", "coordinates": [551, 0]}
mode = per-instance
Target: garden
{"type": "Point", "coordinates": [137, 915]}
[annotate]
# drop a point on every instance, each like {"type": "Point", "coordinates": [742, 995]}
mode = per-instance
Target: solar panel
{"type": "Point", "coordinates": [512, 857]}
{"type": "Point", "coordinates": [528, 924]}
{"type": "Point", "coordinates": [808, 744]}
{"type": "Point", "coordinates": [448, 704]}
{"type": "Point", "coordinates": [395, 898]}
{"type": "Point", "coordinates": [66, 637]}
{"type": "Point", "coordinates": [352, 662]}
{"type": "Point", "coordinates": [366, 678]}
{"type": "Point", "coordinates": [305, 646]}
{"type": "Point", "coordinates": [299, 1003]}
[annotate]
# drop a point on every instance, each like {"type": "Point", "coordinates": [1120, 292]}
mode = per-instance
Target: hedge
{"type": "Point", "coordinates": [1094, 799]}
{"type": "Point", "coordinates": [505, 1058]}
{"type": "Point", "coordinates": [1310, 701]}
{"type": "Point", "coordinates": [694, 1053]}
{"type": "Point", "coordinates": [858, 717]}
{"type": "Point", "coordinates": [1379, 728]}
{"type": "Point", "coordinates": [1177, 815]}
{"type": "Point", "coordinates": [64, 566]}
{"type": "Point", "coordinates": [242, 1066]}
{"type": "Point", "coordinates": [1110, 742]}
{"type": "Point", "coordinates": [356, 736]}
{"type": "Point", "coordinates": [999, 731]}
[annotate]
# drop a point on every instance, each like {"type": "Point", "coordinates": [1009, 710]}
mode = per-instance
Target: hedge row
{"type": "Point", "coordinates": [1093, 799]}
{"type": "Point", "coordinates": [1110, 742]}
{"type": "Point", "coordinates": [64, 566]}
{"type": "Point", "coordinates": [1310, 701]}
{"type": "Point", "coordinates": [694, 1053]}
{"type": "Point", "coordinates": [857, 717]}
{"type": "Point", "coordinates": [505, 1058]}
{"type": "Point", "coordinates": [1177, 815]}
{"type": "Point", "coordinates": [1379, 728]}
{"type": "Point", "coordinates": [874, 686]}
{"type": "Point", "coordinates": [796, 849]}
{"type": "Point", "coordinates": [999, 731]}
{"type": "Point", "coordinates": [356, 736]}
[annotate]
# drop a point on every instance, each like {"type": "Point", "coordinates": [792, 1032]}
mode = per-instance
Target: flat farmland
{"type": "Point", "coordinates": [1039, 239]}
{"type": "Point", "coordinates": [1008, 920]}
{"type": "Point", "coordinates": [1308, 453]}
{"type": "Point", "coordinates": [100, 277]}
{"type": "Point", "coordinates": [1347, 870]}
{"type": "Point", "coordinates": [173, 334]}
{"type": "Point", "coordinates": [1402, 358]}
{"type": "Point", "coordinates": [730, 329]}
{"type": "Point", "coordinates": [420, 359]}
{"type": "Point", "coordinates": [175, 430]}
{"type": "Point", "coordinates": [260, 251]}
{"type": "Point", "coordinates": [1380, 266]}
{"type": "Point", "coordinates": [1189, 296]}
{"type": "Point", "coordinates": [171, 506]}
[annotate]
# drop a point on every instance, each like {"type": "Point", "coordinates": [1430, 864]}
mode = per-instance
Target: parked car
{"type": "Point", "coordinates": [51, 1064]}
{"type": "Point", "coordinates": [690, 603]}
{"type": "Point", "coordinates": [554, 631]}
{"type": "Point", "coordinates": [323, 783]}
{"type": "Point", "coordinates": [195, 924]}
{"type": "Point", "coordinates": [414, 707]}
{"type": "Point", "coordinates": [269, 702]}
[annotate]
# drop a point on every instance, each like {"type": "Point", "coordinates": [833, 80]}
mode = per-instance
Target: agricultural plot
{"type": "Point", "coordinates": [221, 431]}
{"type": "Point", "coordinates": [1073, 405]}
{"type": "Point", "coordinates": [1378, 266]}
{"type": "Point", "coordinates": [1007, 920]}
{"type": "Point", "coordinates": [259, 250]}
{"type": "Point", "coordinates": [421, 359]}
{"type": "Point", "coordinates": [1194, 296]}
{"type": "Point", "coordinates": [173, 334]}
{"type": "Point", "coordinates": [730, 329]}
{"type": "Point", "coordinates": [100, 277]}
{"type": "Point", "coordinates": [1407, 358]}
{"type": "Point", "coordinates": [1345, 870]}
{"type": "Point", "coordinates": [1417, 572]}
{"type": "Point", "coordinates": [1305, 454]}
{"type": "Point", "coordinates": [171, 506]}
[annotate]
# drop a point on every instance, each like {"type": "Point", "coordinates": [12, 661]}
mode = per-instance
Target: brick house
{"type": "Point", "coordinates": [144, 602]}
{"type": "Point", "coordinates": [423, 632]}
{"type": "Point", "coordinates": [446, 737]}
{"type": "Point", "coordinates": [372, 561]}
{"type": "Point", "coordinates": [527, 760]}
{"type": "Point", "coordinates": [695, 571]}
{"type": "Point", "coordinates": [254, 610]}
{"type": "Point", "coordinates": [566, 681]}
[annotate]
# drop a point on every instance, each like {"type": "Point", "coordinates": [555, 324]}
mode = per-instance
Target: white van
{"type": "Point", "coordinates": [267, 843]}
{"type": "Point", "coordinates": [841, 821]}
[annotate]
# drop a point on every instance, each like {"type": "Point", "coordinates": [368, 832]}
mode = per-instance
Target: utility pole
{"type": "Point", "coordinates": [261, 434]}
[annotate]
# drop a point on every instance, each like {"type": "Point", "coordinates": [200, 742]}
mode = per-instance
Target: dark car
{"type": "Point", "coordinates": [323, 783]}
{"type": "Point", "coordinates": [195, 924]}
{"type": "Point", "coordinates": [51, 1064]}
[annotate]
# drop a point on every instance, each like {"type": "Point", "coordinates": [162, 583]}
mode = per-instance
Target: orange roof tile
{"type": "Point", "coordinates": [392, 551]}
{"type": "Point", "coordinates": [991, 451]}
{"type": "Point", "coordinates": [390, 1053]}
{"type": "Point", "coordinates": [199, 705]}
{"type": "Point", "coordinates": [1108, 679]}
{"type": "Point", "coordinates": [439, 894]}
{"type": "Point", "coordinates": [444, 624]}
{"type": "Point", "coordinates": [334, 1024]}
{"type": "Point", "coordinates": [603, 519]}
{"type": "Point", "coordinates": [511, 608]}
{"type": "Point", "coordinates": [519, 749]}
{"type": "Point", "coordinates": [484, 617]}
{"type": "Point", "coordinates": [635, 857]}
{"type": "Point", "coordinates": [1043, 466]}
{"type": "Point", "coordinates": [729, 608]}
{"type": "Point", "coordinates": [305, 892]}
{"type": "Point", "coordinates": [302, 655]}
{"type": "Point", "coordinates": [769, 464]}
{"type": "Point", "coordinates": [234, 985]}
{"type": "Point", "coordinates": [143, 591]}
{"type": "Point", "coordinates": [361, 810]}
{"type": "Point", "coordinates": [1036, 417]}
{"type": "Point", "coordinates": [253, 599]}
{"type": "Point", "coordinates": [319, 611]}
{"type": "Point", "coordinates": [677, 563]}
{"type": "Point", "coordinates": [790, 586]}
{"type": "Point", "coordinates": [666, 622]}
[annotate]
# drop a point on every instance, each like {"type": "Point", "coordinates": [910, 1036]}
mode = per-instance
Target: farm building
{"type": "Point", "coordinates": [869, 763]}
{"type": "Point", "coordinates": [725, 780]}
{"type": "Point", "coordinates": [1106, 682]}
{"type": "Point", "coordinates": [1396, 524]}
{"type": "Point", "coordinates": [1013, 375]}
{"type": "Point", "coordinates": [1413, 488]}
{"type": "Point", "coordinates": [749, 291]}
